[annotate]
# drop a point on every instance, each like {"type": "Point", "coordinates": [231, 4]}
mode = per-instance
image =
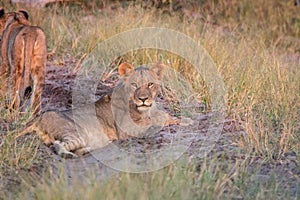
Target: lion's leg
{"type": "Point", "coordinates": [68, 144]}
{"type": "Point", "coordinates": [60, 149]}
{"type": "Point", "coordinates": [38, 71]}
{"type": "Point", "coordinates": [171, 120]}
{"type": "Point", "coordinates": [4, 70]}
{"type": "Point", "coordinates": [16, 75]}
{"type": "Point", "coordinates": [37, 90]}
{"type": "Point", "coordinates": [184, 121]}
{"type": "Point", "coordinates": [65, 148]}
{"type": "Point", "coordinates": [45, 137]}
{"type": "Point", "coordinates": [83, 151]}
{"type": "Point", "coordinates": [18, 88]}
{"type": "Point", "coordinates": [72, 143]}
{"type": "Point", "coordinates": [36, 100]}
{"type": "Point", "coordinates": [3, 78]}
{"type": "Point", "coordinates": [12, 91]}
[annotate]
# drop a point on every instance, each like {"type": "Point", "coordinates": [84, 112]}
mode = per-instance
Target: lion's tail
{"type": "Point", "coordinates": [29, 128]}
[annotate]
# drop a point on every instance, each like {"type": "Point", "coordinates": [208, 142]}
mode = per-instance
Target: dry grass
{"type": "Point", "coordinates": [255, 45]}
{"type": "Point", "coordinates": [262, 91]}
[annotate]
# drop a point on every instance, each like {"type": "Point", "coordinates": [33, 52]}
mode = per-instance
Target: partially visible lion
{"type": "Point", "coordinates": [128, 110]}
{"type": "Point", "coordinates": [23, 55]}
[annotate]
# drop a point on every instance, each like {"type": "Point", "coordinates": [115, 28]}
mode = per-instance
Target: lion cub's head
{"type": "Point", "coordinates": [142, 83]}
{"type": "Point", "coordinates": [8, 18]}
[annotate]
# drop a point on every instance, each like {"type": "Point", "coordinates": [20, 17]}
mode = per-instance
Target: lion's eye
{"type": "Point", "coordinates": [150, 85]}
{"type": "Point", "coordinates": [134, 85]}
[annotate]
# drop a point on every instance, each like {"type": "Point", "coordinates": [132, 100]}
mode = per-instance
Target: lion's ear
{"type": "Point", "coordinates": [2, 12]}
{"type": "Point", "coordinates": [158, 69]}
{"type": "Point", "coordinates": [24, 13]}
{"type": "Point", "coordinates": [124, 68]}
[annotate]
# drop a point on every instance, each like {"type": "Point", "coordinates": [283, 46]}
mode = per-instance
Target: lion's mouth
{"type": "Point", "coordinates": [143, 106]}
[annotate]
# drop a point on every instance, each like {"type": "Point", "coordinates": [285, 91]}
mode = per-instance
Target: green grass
{"type": "Point", "coordinates": [254, 44]}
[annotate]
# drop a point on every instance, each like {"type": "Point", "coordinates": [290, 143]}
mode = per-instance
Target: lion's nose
{"type": "Point", "coordinates": [143, 99]}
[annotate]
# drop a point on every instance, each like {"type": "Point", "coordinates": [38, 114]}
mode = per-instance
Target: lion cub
{"type": "Point", "coordinates": [128, 110]}
{"type": "Point", "coordinates": [23, 55]}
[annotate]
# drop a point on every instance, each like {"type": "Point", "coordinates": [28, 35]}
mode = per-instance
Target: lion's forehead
{"type": "Point", "coordinates": [142, 76]}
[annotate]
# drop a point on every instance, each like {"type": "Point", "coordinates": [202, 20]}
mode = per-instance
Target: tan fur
{"type": "Point", "coordinates": [93, 126]}
{"type": "Point", "coordinates": [23, 58]}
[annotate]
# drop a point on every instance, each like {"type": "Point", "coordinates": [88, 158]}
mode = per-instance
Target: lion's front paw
{"type": "Point", "coordinates": [172, 120]}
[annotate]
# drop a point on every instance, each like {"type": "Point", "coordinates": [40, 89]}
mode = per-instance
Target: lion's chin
{"type": "Point", "coordinates": [143, 108]}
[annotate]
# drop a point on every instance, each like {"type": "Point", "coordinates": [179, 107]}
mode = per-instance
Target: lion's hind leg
{"type": "Point", "coordinates": [38, 66]}
{"type": "Point", "coordinates": [61, 150]}
{"type": "Point", "coordinates": [71, 146]}
{"type": "Point", "coordinates": [34, 128]}
{"type": "Point", "coordinates": [83, 151]}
